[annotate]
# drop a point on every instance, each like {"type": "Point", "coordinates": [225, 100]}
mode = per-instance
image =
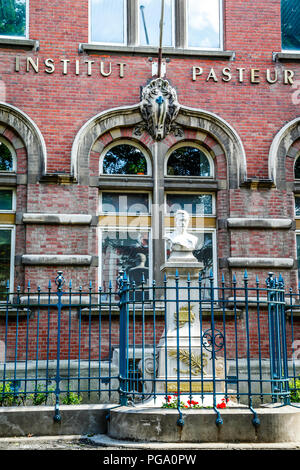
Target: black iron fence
{"type": "Point", "coordinates": [183, 344]}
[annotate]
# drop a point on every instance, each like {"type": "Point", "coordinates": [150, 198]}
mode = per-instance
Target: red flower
{"type": "Point", "coordinates": [221, 405]}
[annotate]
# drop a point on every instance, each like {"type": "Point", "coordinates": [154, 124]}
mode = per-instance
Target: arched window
{"type": "Point", "coordinates": [125, 159]}
{"type": "Point", "coordinates": [189, 161]}
{"type": "Point", "coordinates": [6, 156]}
{"type": "Point", "coordinates": [297, 168]}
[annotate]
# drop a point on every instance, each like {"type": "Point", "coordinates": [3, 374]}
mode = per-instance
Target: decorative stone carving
{"type": "Point", "coordinates": [159, 108]}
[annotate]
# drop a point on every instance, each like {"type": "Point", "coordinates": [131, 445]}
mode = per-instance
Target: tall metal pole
{"type": "Point", "coordinates": [161, 25]}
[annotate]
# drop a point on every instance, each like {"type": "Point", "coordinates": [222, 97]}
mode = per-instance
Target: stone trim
{"type": "Point", "coordinates": [284, 263]}
{"type": "Point", "coordinates": [227, 139]}
{"type": "Point", "coordinates": [286, 56]}
{"type": "Point", "coordinates": [17, 43]}
{"type": "Point", "coordinates": [279, 149]}
{"type": "Point", "coordinates": [89, 48]}
{"type": "Point", "coordinates": [57, 219]}
{"type": "Point", "coordinates": [31, 136]}
{"type": "Point", "coordinates": [249, 223]}
{"type": "Point", "coordinates": [76, 260]}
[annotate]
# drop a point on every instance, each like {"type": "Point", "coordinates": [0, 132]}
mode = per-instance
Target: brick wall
{"type": "Point", "coordinates": [60, 104]}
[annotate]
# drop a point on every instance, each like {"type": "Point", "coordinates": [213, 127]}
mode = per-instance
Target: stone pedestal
{"type": "Point", "coordinates": [182, 345]}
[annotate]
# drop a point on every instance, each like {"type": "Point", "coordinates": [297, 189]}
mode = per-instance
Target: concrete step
{"type": "Point", "coordinates": [144, 424]}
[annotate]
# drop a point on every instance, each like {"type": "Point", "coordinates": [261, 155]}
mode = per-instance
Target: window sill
{"type": "Point", "coordinates": [286, 56]}
{"type": "Point", "coordinates": [149, 51]}
{"type": "Point", "coordinates": [137, 182]}
{"type": "Point", "coordinates": [13, 311]}
{"type": "Point", "coordinates": [189, 183]}
{"type": "Point", "coordinates": [17, 43]}
{"type": "Point", "coordinates": [8, 179]}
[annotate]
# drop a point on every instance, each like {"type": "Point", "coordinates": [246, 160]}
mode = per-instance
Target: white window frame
{"type": "Point", "coordinates": [129, 214]}
{"type": "Point", "coordinates": [132, 37]}
{"type": "Point", "coordinates": [172, 26]}
{"type": "Point", "coordinates": [13, 209]}
{"type": "Point", "coordinates": [124, 229]}
{"type": "Point", "coordinates": [221, 30]}
{"type": "Point", "coordinates": [288, 51]}
{"type": "Point", "coordinates": [194, 231]}
{"type": "Point", "coordinates": [195, 193]}
{"type": "Point", "coordinates": [12, 228]}
{"type": "Point", "coordinates": [295, 215]}
{"type": "Point", "coordinates": [297, 234]}
{"type": "Point", "coordinates": [125, 4]}
{"type": "Point", "coordinates": [195, 145]}
{"type": "Point", "coordinates": [127, 142]}
{"type": "Point", "coordinates": [3, 36]}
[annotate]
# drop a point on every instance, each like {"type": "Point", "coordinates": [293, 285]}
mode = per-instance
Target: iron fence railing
{"type": "Point", "coordinates": [184, 343]}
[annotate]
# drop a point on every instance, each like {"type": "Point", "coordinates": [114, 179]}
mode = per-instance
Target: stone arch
{"type": "Point", "coordinates": [226, 138]}
{"type": "Point", "coordinates": [15, 121]}
{"type": "Point", "coordinates": [281, 148]}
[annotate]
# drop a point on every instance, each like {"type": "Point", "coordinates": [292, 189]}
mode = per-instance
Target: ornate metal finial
{"type": "Point", "coordinates": [159, 108]}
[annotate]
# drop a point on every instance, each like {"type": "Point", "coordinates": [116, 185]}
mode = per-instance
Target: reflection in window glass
{"type": "Point", "coordinates": [130, 203]}
{"type": "Point", "coordinates": [204, 254]}
{"type": "Point", "coordinates": [194, 204]}
{"type": "Point", "coordinates": [297, 205]}
{"type": "Point", "coordinates": [6, 200]}
{"type": "Point", "coordinates": [13, 18]}
{"type": "Point", "coordinates": [124, 159]}
{"type": "Point", "coordinates": [6, 158]}
{"type": "Point", "coordinates": [107, 21]}
{"type": "Point", "coordinates": [204, 24]}
{"type": "Point", "coordinates": [125, 250]}
{"type": "Point", "coordinates": [298, 257]}
{"type": "Point", "coordinates": [5, 255]}
{"type": "Point", "coordinates": [149, 18]}
{"type": "Point", "coordinates": [297, 168]}
{"type": "Point", "coordinates": [188, 161]}
{"type": "Point", "coordinates": [290, 24]}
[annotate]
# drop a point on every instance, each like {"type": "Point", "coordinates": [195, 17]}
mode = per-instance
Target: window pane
{"type": "Point", "coordinates": [6, 198]}
{"type": "Point", "coordinates": [124, 159]}
{"type": "Point", "coordinates": [6, 158]}
{"type": "Point", "coordinates": [204, 24]}
{"type": "Point", "coordinates": [149, 14]}
{"type": "Point", "coordinates": [297, 206]}
{"type": "Point", "coordinates": [188, 161]}
{"type": "Point", "coordinates": [126, 250]}
{"type": "Point", "coordinates": [298, 257]}
{"type": "Point", "coordinates": [5, 250]}
{"type": "Point", "coordinates": [204, 254]}
{"type": "Point", "coordinates": [290, 24]}
{"type": "Point", "coordinates": [297, 168]}
{"type": "Point", "coordinates": [107, 21]}
{"type": "Point", "coordinates": [125, 202]}
{"type": "Point", "coordinates": [13, 18]}
{"type": "Point", "coordinates": [194, 204]}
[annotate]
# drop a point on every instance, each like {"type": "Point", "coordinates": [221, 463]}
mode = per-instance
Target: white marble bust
{"type": "Point", "coordinates": [182, 243]}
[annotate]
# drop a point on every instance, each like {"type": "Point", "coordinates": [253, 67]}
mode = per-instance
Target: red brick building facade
{"type": "Point", "coordinates": [68, 98]}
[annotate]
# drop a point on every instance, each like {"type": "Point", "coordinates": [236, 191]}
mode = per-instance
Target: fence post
{"type": "Point", "coordinates": [277, 338]}
{"type": "Point", "coordinates": [123, 305]}
{"type": "Point", "coordinates": [59, 281]}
